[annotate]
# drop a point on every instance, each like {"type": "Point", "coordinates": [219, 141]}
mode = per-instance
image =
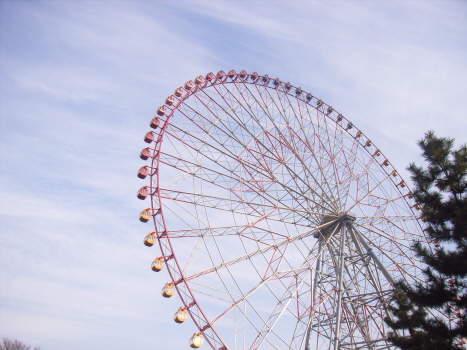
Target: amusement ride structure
{"type": "Point", "coordinates": [280, 223]}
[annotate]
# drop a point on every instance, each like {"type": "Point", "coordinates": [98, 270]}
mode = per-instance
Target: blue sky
{"type": "Point", "coordinates": [80, 81]}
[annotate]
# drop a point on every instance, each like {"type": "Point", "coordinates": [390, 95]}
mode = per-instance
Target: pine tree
{"type": "Point", "coordinates": [433, 315]}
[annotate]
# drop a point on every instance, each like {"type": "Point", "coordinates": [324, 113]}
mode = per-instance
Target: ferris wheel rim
{"type": "Point", "coordinates": [158, 206]}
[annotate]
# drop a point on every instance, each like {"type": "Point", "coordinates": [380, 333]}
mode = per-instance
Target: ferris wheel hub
{"type": "Point", "coordinates": [347, 219]}
{"type": "Point", "coordinates": [332, 223]}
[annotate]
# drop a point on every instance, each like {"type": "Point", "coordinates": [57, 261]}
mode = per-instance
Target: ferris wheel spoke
{"type": "Point", "coordinates": [194, 143]}
{"type": "Point", "coordinates": [234, 116]}
{"type": "Point", "coordinates": [252, 254]}
{"type": "Point", "coordinates": [300, 121]}
{"type": "Point", "coordinates": [179, 214]}
{"type": "Point", "coordinates": [390, 233]}
{"type": "Point", "coordinates": [322, 152]}
{"type": "Point", "coordinates": [313, 153]}
{"type": "Point", "coordinates": [237, 230]}
{"type": "Point", "coordinates": [336, 151]}
{"type": "Point", "coordinates": [350, 155]}
{"type": "Point", "coordinates": [377, 202]}
{"type": "Point", "coordinates": [370, 192]}
{"type": "Point", "coordinates": [207, 231]}
{"type": "Point", "coordinates": [209, 174]}
{"type": "Point", "coordinates": [263, 145]}
{"type": "Point", "coordinates": [249, 184]}
{"type": "Point", "coordinates": [390, 229]}
{"type": "Point", "coordinates": [222, 203]}
{"type": "Point", "coordinates": [212, 129]}
{"type": "Point", "coordinates": [352, 189]}
{"type": "Point", "coordinates": [220, 149]}
{"type": "Point", "coordinates": [360, 179]}
{"type": "Point", "coordinates": [312, 176]}
{"type": "Point", "coordinates": [230, 112]}
{"type": "Point", "coordinates": [376, 219]}
{"type": "Point", "coordinates": [381, 248]}
{"type": "Point", "coordinates": [384, 200]}
{"type": "Point", "coordinates": [283, 141]}
{"type": "Point", "coordinates": [264, 176]}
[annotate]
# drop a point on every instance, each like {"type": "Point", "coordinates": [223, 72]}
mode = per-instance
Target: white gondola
{"type": "Point", "coordinates": [168, 290]}
{"type": "Point", "coordinates": [181, 315]}
{"type": "Point", "coordinates": [196, 341]}
{"type": "Point", "coordinates": [150, 239]}
{"type": "Point", "coordinates": [157, 264]}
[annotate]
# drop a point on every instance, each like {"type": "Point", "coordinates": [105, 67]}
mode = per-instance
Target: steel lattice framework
{"type": "Point", "coordinates": [282, 226]}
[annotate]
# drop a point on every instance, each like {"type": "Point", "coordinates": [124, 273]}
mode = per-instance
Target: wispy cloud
{"type": "Point", "coordinates": [79, 84]}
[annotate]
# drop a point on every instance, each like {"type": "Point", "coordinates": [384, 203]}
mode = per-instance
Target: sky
{"type": "Point", "coordinates": [79, 83]}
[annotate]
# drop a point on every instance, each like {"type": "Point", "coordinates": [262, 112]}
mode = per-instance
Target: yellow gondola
{"type": "Point", "coordinates": [181, 315]}
{"type": "Point", "coordinates": [168, 290]}
{"type": "Point", "coordinates": [150, 239]}
{"type": "Point", "coordinates": [196, 341]}
{"type": "Point", "coordinates": [145, 215]}
{"type": "Point", "coordinates": [157, 264]}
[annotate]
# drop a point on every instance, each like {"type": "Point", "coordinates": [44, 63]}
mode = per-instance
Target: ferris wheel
{"type": "Point", "coordinates": [280, 224]}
